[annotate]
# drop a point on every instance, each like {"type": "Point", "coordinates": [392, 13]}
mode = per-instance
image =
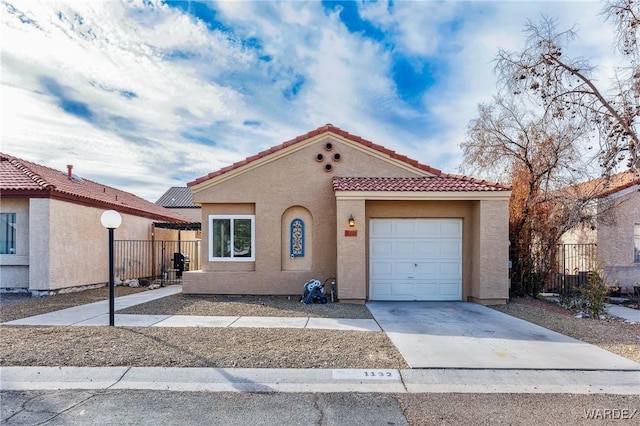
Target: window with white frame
{"type": "Point", "coordinates": [636, 243]}
{"type": "Point", "coordinates": [232, 238]}
{"type": "Point", "coordinates": [7, 233]}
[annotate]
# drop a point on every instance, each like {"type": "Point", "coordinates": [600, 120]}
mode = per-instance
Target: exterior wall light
{"type": "Point", "coordinates": [111, 219]}
{"type": "Point", "coordinates": [352, 221]}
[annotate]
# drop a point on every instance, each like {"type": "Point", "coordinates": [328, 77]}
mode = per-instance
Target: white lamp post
{"type": "Point", "coordinates": [111, 219]}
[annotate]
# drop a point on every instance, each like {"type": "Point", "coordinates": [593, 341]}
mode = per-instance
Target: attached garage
{"type": "Point", "coordinates": [415, 259]}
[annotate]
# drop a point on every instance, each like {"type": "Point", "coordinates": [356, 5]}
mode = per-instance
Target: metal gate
{"type": "Point", "coordinates": [155, 260]}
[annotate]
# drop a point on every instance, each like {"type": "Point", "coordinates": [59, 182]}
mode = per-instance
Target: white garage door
{"type": "Point", "coordinates": [415, 259]}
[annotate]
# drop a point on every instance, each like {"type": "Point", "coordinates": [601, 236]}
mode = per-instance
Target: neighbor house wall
{"type": "Point", "coordinates": [616, 242]}
{"type": "Point", "coordinates": [78, 250]}
{"type": "Point", "coordinates": [14, 268]}
{"type": "Point", "coordinates": [294, 177]}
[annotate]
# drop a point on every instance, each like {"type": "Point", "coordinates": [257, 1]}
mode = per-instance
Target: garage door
{"type": "Point", "coordinates": [415, 259]}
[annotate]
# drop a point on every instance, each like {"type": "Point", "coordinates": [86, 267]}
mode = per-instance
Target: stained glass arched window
{"type": "Point", "coordinates": [296, 248]}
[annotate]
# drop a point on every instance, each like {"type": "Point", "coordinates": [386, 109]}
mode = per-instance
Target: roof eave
{"type": "Point", "coordinates": [424, 195]}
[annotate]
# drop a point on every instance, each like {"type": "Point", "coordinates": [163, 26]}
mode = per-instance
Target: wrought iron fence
{"type": "Point", "coordinates": [570, 266]}
{"type": "Point", "coordinates": [155, 260]}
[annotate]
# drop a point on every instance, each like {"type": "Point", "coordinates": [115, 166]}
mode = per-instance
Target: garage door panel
{"type": "Point", "coordinates": [381, 249]}
{"type": "Point", "coordinates": [382, 289]}
{"type": "Point", "coordinates": [404, 248]}
{"type": "Point", "coordinates": [423, 268]}
{"type": "Point", "coordinates": [406, 269]}
{"type": "Point", "coordinates": [381, 228]}
{"type": "Point", "coordinates": [381, 269]}
{"type": "Point", "coordinates": [415, 259]}
{"type": "Point", "coordinates": [450, 269]}
{"type": "Point", "coordinates": [427, 228]}
{"type": "Point", "coordinates": [403, 289]}
{"type": "Point", "coordinates": [450, 290]}
{"type": "Point", "coordinates": [427, 290]}
{"type": "Point", "coordinates": [450, 249]}
{"type": "Point", "coordinates": [404, 228]}
{"type": "Point", "coordinates": [450, 228]}
{"type": "Point", "coordinates": [426, 249]}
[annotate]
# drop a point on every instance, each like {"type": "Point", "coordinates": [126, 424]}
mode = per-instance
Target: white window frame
{"type": "Point", "coordinates": [231, 218]}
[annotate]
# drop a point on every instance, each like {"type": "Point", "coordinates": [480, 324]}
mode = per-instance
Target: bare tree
{"type": "Point", "coordinates": [566, 89]}
{"type": "Point", "coordinates": [541, 159]}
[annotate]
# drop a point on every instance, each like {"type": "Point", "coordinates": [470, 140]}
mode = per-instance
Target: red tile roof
{"type": "Point", "coordinates": [328, 128]}
{"type": "Point", "coordinates": [606, 185]}
{"type": "Point", "coordinates": [20, 178]}
{"type": "Point", "coordinates": [442, 183]}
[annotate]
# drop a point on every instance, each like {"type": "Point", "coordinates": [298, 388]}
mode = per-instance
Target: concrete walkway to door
{"type": "Point", "coordinates": [468, 335]}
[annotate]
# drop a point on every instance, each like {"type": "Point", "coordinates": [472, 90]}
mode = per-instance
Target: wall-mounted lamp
{"type": "Point", "coordinates": [352, 221]}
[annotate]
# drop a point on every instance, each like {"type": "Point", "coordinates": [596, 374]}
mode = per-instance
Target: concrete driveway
{"type": "Point", "coordinates": [468, 335]}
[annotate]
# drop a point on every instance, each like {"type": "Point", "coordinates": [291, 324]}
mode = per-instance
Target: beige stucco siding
{"type": "Point", "coordinates": [491, 252]}
{"type": "Point", "coordinates": [274, 186]}
{"type": "Point", "coordinates": [78, 244]}
{"type": "Point", "coordinates": [14, 268]}
{"type": "Point", "coordinates": [616, 243]}
{"type": "Point", "coordinates": [63, 245]}
{"type": "Point", "coordinates": [294, 178]}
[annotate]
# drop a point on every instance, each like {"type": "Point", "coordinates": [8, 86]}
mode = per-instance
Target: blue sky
{"type": "Point", "coordinates": [144, 95]}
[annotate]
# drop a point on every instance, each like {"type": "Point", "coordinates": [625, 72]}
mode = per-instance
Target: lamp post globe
{"type": "Point", "coordinates": [111, 219]}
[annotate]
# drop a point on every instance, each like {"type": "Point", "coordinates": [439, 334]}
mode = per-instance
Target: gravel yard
{"type": "Point", "coordinates": [237, 347]}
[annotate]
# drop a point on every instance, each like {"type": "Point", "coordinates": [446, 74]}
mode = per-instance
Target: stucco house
{"type": "Point", "coordinates": [332, 204]}
{"type": "Point", "coordinates": [616, 233]}
{"type": "Point", "coordinates": [51, 237]}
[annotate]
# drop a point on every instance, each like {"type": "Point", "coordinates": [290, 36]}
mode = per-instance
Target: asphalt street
{"type": "Point", "coordinates": [146, 407]}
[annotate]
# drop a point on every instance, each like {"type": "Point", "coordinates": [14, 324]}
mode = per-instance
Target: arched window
{"type": "Point", "coordinates": [296, 248]}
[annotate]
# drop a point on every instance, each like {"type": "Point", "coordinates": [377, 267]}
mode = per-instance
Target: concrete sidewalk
{"type": "Point", "coordinates": [623, 312]}
{"type": "Point", "coordinates": [321, 380]}
{"type": "Point", "coordinates": [97, 314]}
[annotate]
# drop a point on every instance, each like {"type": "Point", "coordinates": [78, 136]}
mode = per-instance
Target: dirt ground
{"type": "Point", "coordinates": [260, 348]}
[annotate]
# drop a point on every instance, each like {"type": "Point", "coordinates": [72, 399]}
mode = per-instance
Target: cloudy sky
{"type": "Point", "coordinates": [144, 95]}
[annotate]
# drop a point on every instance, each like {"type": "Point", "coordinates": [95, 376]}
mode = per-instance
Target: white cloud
{"type": "Point", "coordinates": [158, 82]}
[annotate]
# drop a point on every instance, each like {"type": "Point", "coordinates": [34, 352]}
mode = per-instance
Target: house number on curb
{"type": "Point", "coordinates": [366, 374]}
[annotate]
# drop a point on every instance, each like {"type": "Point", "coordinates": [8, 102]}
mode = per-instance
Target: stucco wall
{"type": "Point", "coordinates": [615, 242]}
{"type": "Point", "coordinates": [491, 252]}
{"type": "Point", "coordinates": [63, 245]}
{"type": "Point", "coordinates": [352, 264]}
{"type": "Point", "coordinates": [78, 248]}
{"type": "Point", "coordinates": [14, 268]}
{"type": "Point", "coordinates": [294, 178]}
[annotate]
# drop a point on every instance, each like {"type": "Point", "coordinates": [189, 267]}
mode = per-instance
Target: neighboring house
{"type": "Point", "coordinates": [331, 204]}
{"type": "Point", "coordinates": [51, 237]}
{"type": "Point", "coordinates": [179, 200]}
{"type": "Point", "coordinates": [617, 232]}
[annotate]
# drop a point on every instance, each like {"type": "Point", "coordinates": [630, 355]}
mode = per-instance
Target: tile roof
{"type": "Point", "coordinates": [328, 128]}
{"type": "Point", "coordinates": [442, 183]}
{"type": "Point", "coordinates": [177, 197]}
{"type": "Point", "coordinates": [606, 185]}
{"type": "Point", "coordinates": [20, 178]}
